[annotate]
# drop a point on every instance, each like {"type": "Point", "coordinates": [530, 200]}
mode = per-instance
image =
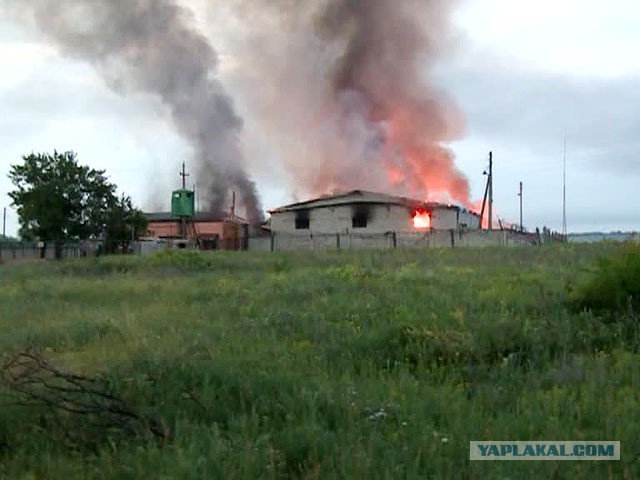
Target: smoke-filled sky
{"type": "Point", "coordinates": [406, 97]}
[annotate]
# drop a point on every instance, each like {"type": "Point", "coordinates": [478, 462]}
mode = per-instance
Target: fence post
{"type": "Point", "coordinates": [338, 240]}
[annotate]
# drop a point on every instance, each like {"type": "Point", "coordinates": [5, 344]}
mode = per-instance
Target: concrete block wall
{"type": "Point", "coordinates": [29, 252]}
{"type": "Point", "coordinates": [442, 219]}
{"type": "Point", "coordinates": [259, 244]}
{"type": "Point", "coordinates": [389, 240]}
{"type": "Point", "coordinates": [329, 220]}
{"type": "Point", "coordinates": [361, 242]}
{"type": "Point", "coordinates": [482, 238]}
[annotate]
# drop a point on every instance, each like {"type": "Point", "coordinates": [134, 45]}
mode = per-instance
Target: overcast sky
{"type": "Point", "coordinates": [526, 74]}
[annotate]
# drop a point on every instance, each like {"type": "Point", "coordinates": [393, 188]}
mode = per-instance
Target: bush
{"type": "Point", "coordinates": [613, 285]}
{"type": "Point", "coordinates": [413, 346]}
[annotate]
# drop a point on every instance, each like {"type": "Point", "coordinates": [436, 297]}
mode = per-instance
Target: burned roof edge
{"type": "Point", "coordinates": [198, 217]}
{"type": "Point", "coordinates": [383, 198]}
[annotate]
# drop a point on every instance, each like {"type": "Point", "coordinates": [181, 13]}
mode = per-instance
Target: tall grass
{"type": "Point", "coordinates": [613, 284]}
{"type": "Point", "coordinates": [325, 365]}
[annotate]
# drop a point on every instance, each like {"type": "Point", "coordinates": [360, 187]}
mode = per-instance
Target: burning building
{"type": "Point", "coordinates": [363, 212]}
{"type": "Point", "coordinates": [350, 83]}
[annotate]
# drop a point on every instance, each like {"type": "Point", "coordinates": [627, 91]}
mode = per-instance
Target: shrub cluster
{"type": "Point", "coordinates": [613, 285]}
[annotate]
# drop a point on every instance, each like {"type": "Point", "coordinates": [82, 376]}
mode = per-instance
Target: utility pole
{"type": "Point", "coordinates": [4, 223]}
{"type": "Point", "coordinates": [233, 206]}
{"type": "Point", "coordinates": [184, 176]}
{"type": "Point", "coordinates": [183, 221]}
{"type": "Point", "coordinates": [520, 195]}
{"type": "Point", "coordinates": [490, 190]}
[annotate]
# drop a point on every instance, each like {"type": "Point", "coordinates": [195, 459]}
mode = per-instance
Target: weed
{"type": "Point", "coordinates": [338, 364]}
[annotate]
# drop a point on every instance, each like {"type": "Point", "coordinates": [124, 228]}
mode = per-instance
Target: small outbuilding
{"type": "Point", "coordinates": [210, 231]}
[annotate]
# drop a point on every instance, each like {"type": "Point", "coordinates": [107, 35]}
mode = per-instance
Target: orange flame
{"type": "Point", "coordinates": [421, 219]}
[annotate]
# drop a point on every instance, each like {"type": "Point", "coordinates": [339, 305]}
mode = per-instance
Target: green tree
{"type": "Point", "coordinates": [59, 200]}
{"type": "Point", "coordinates": [124, 224]}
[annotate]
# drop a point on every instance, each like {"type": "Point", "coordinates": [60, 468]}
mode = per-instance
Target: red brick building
{"type": "Point", "coordinates": [211, 231]}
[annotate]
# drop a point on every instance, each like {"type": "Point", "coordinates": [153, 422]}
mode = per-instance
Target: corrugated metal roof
{"type": "Point", "coordinates": [354, 196]}
{"type": "Point", "coordinates": [198, 217]}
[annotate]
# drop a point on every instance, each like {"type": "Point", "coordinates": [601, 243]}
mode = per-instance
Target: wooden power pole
{"type": "Point", "coordinates": [490, 190]}
{"type": "Point", "coordinates": [184, 176]}
{"type": "Point", "coordinates": [520, 195]}
{"type": "Point", "coordinates": [183, 221]}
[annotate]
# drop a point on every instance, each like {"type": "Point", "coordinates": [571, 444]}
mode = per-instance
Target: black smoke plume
{"type": "Point", "coordinates": [345, 89]}
{"type": "Point", "coordinates": [151, 46]}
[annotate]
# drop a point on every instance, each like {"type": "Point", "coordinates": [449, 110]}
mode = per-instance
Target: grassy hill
{"type": "Point", "coordinates": [311, 365]}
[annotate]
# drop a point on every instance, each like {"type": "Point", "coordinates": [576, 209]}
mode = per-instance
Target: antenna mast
{"type": "Point", "coordinates": [564, 190]}
{"type": "Point", "coordinates": [184, 176]}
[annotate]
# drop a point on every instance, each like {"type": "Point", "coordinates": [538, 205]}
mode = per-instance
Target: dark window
{"type": "Point", "coordinates": [302, 221]}
{"type": "Point", "coordinates": [359, 220]}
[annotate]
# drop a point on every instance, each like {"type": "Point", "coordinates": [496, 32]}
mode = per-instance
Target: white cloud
{"type": "Point", "coordinates": [577, 37]}
{"type": "Point", "coordinates": [24, 55]}
{"type": "Point", "coordinates": [19, 59]}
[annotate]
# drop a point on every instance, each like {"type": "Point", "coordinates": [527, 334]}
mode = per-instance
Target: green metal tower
{"type": "Point", "coordinates": [183, 203]}
{"type": "Point", "coordinates": [183, 207]}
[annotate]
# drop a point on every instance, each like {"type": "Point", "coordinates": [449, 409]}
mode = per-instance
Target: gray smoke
{"type": "Point", "coordinates": [151, 46]}
{"type": "Point", "coordinates": [345, 89]}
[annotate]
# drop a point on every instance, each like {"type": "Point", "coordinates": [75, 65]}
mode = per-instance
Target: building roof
{"type": "Point", "coordinates": [198, 217]}
{"type": "Point", "coordinates": [363, 196]}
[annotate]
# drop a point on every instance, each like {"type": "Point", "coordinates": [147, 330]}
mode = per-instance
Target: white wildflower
{"type": "Point", "coordinates": [378, 414]}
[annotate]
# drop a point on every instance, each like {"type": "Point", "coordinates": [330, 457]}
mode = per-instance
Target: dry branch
{"type": "Point", "coordinates": [75, 398]}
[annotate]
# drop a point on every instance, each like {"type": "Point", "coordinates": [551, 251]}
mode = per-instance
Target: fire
{"type": "Point", "coordinates": [423, 165]}
{"type": "Point", "coordinates": [421, 219]}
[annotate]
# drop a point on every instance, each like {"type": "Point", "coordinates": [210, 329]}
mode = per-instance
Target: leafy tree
{"type": "Point", "coordinates": [59, 200]}
{"type": "Point", "coordinates": [124, 224]}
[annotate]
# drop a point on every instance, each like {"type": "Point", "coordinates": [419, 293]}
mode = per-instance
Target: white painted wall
{"type": "Point", "coordinates": [338, 219]}
{"type": "Point", "coordinates": [382, 218]}
{"type": "Point", "coordinates": [469, 219]}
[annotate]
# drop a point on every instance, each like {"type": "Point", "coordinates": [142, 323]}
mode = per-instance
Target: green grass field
{"type": "Point", "coordinates": [320, 365]}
